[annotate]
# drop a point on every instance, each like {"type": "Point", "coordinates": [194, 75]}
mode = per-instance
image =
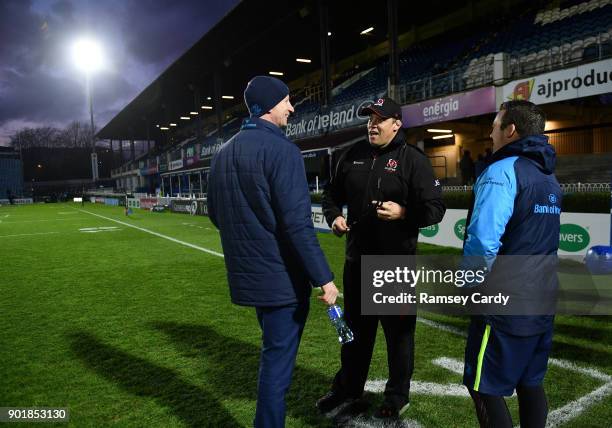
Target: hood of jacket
{"type": "Point", "coordinates": [533, 147]}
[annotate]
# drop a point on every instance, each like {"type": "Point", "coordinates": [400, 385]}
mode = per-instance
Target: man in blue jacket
{"type": "Point", "coordinates": [508, 352]}
{"type": "Point", "coordinates": [258, 199]}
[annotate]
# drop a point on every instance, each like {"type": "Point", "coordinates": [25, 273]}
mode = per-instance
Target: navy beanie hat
{"type": "Point", "coordinates": [263, 93]}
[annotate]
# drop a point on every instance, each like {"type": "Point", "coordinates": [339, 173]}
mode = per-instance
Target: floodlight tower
{"type": "Point", "coordinates": [87, 56]}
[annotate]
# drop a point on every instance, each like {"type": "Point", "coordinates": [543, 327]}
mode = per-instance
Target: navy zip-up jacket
{"type": "Point", "coordinates": [258, 199]}
{"type": "Point", "coordinates": [516, 211]}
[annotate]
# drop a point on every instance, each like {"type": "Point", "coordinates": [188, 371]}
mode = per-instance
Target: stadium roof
{"type": "Point", "coordinates": [254, 38]}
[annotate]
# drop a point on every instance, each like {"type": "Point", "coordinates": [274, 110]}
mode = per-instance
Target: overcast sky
{"type": "Point", "coordinates": [39, 83]}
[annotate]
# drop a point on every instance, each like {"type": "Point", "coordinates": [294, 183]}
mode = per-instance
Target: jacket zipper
{"type": "Point", "coordinates": [366, 202]}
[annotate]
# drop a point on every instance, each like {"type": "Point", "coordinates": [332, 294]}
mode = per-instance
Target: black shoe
{"type": "Point", "coordinates": [330, 401]}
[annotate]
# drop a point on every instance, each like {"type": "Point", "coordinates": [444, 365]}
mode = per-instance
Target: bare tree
{"type": "Point", "coordinates": [74, 135]}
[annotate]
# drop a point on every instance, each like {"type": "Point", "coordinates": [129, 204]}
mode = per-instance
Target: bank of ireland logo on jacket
{"type": "Point", "coordinates": [391, 165]}
{"type": "Point", "coordinates": [548, 209]}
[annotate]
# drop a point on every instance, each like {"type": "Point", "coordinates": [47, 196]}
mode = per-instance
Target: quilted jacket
{"type": "Point", "coordinates": [258, 199]}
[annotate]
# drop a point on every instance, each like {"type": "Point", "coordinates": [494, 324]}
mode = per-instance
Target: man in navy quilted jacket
{"type": "Point", "coordinates": [258, 199]}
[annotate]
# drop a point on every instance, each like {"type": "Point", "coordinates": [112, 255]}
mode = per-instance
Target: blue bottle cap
{"type": "Point", "coordinates": [334, 312]}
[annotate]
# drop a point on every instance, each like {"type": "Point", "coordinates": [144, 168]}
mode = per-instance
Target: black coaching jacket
{"type": "Point", "coordinates": [400, 173]}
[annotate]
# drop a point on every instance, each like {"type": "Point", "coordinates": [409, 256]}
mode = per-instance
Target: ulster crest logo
{"type": "Point", "coordinates": [391, 165]}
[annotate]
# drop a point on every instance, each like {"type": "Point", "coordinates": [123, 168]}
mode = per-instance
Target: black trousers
{"type": "Point", "coordinates": [357, 355]}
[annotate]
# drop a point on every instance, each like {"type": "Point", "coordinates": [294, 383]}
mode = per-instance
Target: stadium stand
{"type": "Point", "coordinates": [11, 173]}
{"type": "Point", "coordinates": [586, 168]}
{"type": "Point", "coordinates": [529, 40]}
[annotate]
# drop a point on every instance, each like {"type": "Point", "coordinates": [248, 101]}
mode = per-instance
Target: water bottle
{"type": "Point", "coordinates": [345, 335]}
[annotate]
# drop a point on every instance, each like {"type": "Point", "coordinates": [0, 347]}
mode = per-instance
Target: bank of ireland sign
{"type": "Point", "coordinates": [336, 118]}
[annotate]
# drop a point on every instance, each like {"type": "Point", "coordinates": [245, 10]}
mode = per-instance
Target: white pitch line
{"type": "Point", "coordinates": [365, 422]}
{"type": "Point", "coordinates": [574, 408]}
{"type": "Point", "coordinates": [443, 327]}
{"type": "Point", "coordinates": [28, 234]}
{"type": "Point", "coordinates": [38, 221]}
{"type": "Point", "coordinates": [450, 364]}
{"type": "Point", "coordinates": [423, 388]}
{"type": "Point", "coordinates": [206, 250]}
{"type": "Point", "coordinates": [159, 235]}
{"type": "Point", "coordinates": [588, 371]}
{"type": "Point", "coordinates": [362, 422]}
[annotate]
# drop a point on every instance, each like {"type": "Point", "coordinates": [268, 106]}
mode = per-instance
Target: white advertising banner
{"type": "Point", "coordinates": [17, 201]}
{"type": "Point", "coordinates": [449, 232]}
{"type": "Point", "coordinates": [177, 164]}
{"type": "Point", "coordinates": [577, 82]}
{"type": "Point", "coordinates": [318, 220]}
{"type": "Point", "coordinates": [579, 231]}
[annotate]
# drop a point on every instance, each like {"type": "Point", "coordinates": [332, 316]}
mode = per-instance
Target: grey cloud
{"type": "Point", "coordinates": [37, 83]}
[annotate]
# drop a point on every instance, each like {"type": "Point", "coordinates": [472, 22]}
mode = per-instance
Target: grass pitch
{"type": "Point", "coordinates": [124, 327]}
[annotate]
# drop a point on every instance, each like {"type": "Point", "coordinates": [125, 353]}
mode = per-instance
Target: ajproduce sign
{"type": "Point", "coordinates": [576, 82]}
{"type": "Point", "coordinates": [472, 103]}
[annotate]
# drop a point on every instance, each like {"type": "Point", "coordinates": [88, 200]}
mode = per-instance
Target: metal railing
{"type": "Point", "coordinates": [566, 187]}
{"type": "Point", "coordinates": [475, 75]}
{"type": "Point", "coordinates": [585, 187]}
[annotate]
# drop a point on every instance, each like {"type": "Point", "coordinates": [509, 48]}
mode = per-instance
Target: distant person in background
{"type": "Point", "coordinates": [466, 165]}
{"type": "Point", "coordinates": [488, 154]}
{"type": "Point", "coordinates": [10, 196]}
{"type": "Point", "coordinates": [479, 166]}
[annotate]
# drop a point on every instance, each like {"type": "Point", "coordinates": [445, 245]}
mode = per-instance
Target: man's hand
{"type": "Point", "coordinates": [389, 211]}
{"type": "Point", "coordinates": [339, 226]}
{"type": "Point", "coordinates": [330, 292]}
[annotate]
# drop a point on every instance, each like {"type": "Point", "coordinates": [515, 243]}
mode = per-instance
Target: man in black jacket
{"type": "Point", "coordinates": [391, 192]}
